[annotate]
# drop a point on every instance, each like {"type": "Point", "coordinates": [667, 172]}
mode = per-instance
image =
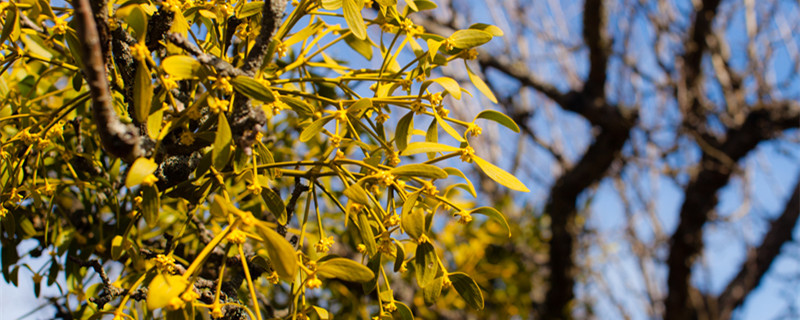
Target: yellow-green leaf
{"type": "Point", "coordinates": [154, 123]}
{"type": "Point", "coordinates": [151, 204]}
{"type": "Point", "coordinates": [315, 128]}
{"type": "Point", "coordinates": [401, 134]}
{"type": "Point", "coordinates": [498, 117]}
{"type": "Point", "coordinates": [322, 313]}
{"type": "Point", "coordinates": [299, 106]}
{"type": "Point", "coordinates": [163, 288]}
{"type": "Point", "coordinates": [412, 5]}
{"type": "Point", "coordinates": [493, 30]}
{"type": "Point", "coordinates": [450, 85]}
{"type": "Point", "coordinates": [11, 26]}
{"type": "Point", "coordinates": [281, 253]}
{"type": "Point", "coordinates": [499, 175]}
{"type": "Point", "coordinates": [359, 106]}
{"type": "Point", "coordinates": [412, 221]}
{"type": "Point", "coordinates": [367, 235]}
{"type": "Point", "coordinates": [142, 93]}
{"type": "Point", "coordinates": [275, 204]}
{"type": "Point", "coordinates": [303, 35]}
{"type": "Point", "coordinates": [399, 257]}
{"type": "Point", "coordinates": [352, 15]}
{"type": "Point", "coordinates": [252, 89]}
{"type": "Point", "coordinates": [116, 247]}
{"type": "Point", "coordinates": [469, 38]}
{"type": "Point", "coordinates": [250, 9]}
{"type": "Point", "coordinates": [181, 67]}
{"type": "Point", "coordinates": [344, 269]}
{"type": "Point", "coordinates": [140, 168]}
{"type": "Point", "coordinates": [432, 291]}
{"type": "Point", "coordinates": [356, 192]}
{"type": "Point", "coordinates": [403, 312]}
{"type": "Point", "coordinates": [468, 289]}
{"type": "Point", "coordinates": [331, 4]}
{"type": "Point", "coordinates": [456, 172]}
{"type": "Point", "coordinates": [422, 147]}
{"type": "Point", "coordinates": [427, 264]}
{"type": "Point", "coordinates": [480, 85]}
{"type": "Point", "coordinates": [387, 3]}
{"type": "Point", "coordinates": [432, 135]}
{"type": "Point", "coordinates": [423, 5]}
{"type": "Point", "coordinates": [222, 143]}
{"type": "Point", "coordinates": [433, 47]}
{"type": "Point", "coordinates": [362, 46]}
{"type": "Point", "coordinates": [494, 214]}
{"type": "Point", "coordinates": [74, 47]}
{"type": "Point", "coordinates": [219, 207]}
{"type": "Point", "coordinates": [419, 170]}
{"type": "Point", "coordinates": [179, 25]}
{"type": "Point", "coordinates": [137, 20]}
{"type": "Point", "coordinates": [448, 128]}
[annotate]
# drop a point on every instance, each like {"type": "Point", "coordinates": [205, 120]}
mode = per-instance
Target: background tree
{"type": "Point", "coordinates": [215, 158]}
{"type": "Point", "coordinates": [627, 109]}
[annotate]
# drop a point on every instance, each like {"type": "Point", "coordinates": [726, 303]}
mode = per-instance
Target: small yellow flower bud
{"type": "Point", "coordinates": [446, 283]}
{"type": "Point", "coordinates": [464, 217]}
{"type": "Point", "coordinates": [436, 99]}
{"type": "Point", "coordinates": [324, 245]}
{"type": "Point", "coordinates": [474, 130]}
{"type": "Point", "coordinates": [390, 307]}
{"type": "Point", "coordinates": [237, 237]}
{"type": "Point", "coordinates": [418, 107]}
{"type": "Point", "coordinates": [165, 263]}
{"type": "Point", "coordinates": [216, 311]}
{"type": "Point", "coordinates": [467, 153]}
{"type": "Point", "coordinates": [223, 84]}
{"type": "Point", "coordinates": [140, 51]}
{"type": "Point", "coordinates": [255, 187]}
{"type": "Point", "coordinates": [313, 282]}
{"type": "Point", "coordinates": [187, 138]}
{"type": "Point", "coordinates": [149, 180]}
{"type": "Point", "coordinates": [273, 278]}
{"type": "Point", "coordinates": [175, 303]}
{"type": "Point", "coordinates": [392, 221]}
{"type": "Point", "coordinates": [169, 84]}
{"type": "Point", "coordinates": [336, 140]}
{"type": "Point", "coordinates": [449, 44]}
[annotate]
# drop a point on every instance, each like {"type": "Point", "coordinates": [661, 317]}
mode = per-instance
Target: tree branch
{"type": "Point", "coordinates": [689, 90]}
{"type": "Point", "coordinates": [271, 17]}
{"type": "Point", "coordinates": [118, 139]}
{"type": "Point", "coordinates": [615, 129]}
{"type": "Point", "coordinates": [519, 71]}
{"type": "Point", "coordinates": [594, 35]}
{"type": "Point", "coordinates": [713, 173]}
{"type": "Point", "coordinates": [561, 206]}
{"type": "Point", "coordinates": [759, 260]}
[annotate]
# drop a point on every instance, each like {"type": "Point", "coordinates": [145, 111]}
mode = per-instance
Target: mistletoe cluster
{"type": "Point", "coordinates": [218, 154]}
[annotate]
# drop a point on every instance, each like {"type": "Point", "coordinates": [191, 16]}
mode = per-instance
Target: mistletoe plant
{"type": "Point", "coordinates": [221, 161]}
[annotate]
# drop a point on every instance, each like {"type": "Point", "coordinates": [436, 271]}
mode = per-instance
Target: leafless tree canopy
{"type": "Point", "coordinates": [637, 98]}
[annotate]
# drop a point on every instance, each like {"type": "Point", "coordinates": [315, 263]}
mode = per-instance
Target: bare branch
{"type": "Point", "coordinates": [270, 20]}
{"type": "Point", "coordinates": [518, 70]}
{"type": "Point", "coordinates": [701, 195]}
{"type": "Point", "coordinates": [119, 139]}
{"type": "Point", "coordinates": [594, 35]}
{"type": "Point", "coordinates": [759, 260]}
